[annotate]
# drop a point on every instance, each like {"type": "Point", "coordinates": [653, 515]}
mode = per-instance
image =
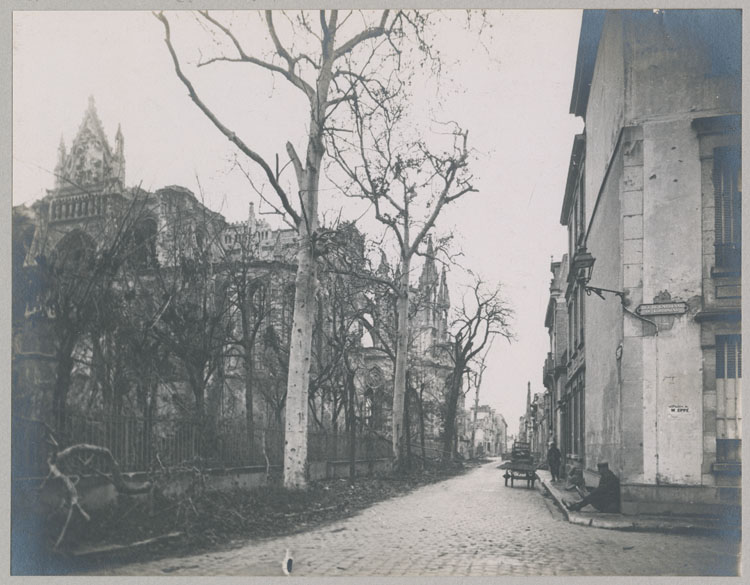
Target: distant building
{"type": "Point", "coordinates": [490, 433]}
{"type": "Point", "coordinates": [562, 409]}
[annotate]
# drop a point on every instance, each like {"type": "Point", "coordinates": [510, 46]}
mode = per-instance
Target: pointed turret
{"type": "Point", "coordinates": [444, 301]}
{"type": "Point", "coordinates": [429, 277]}
{"type": "Point", "coordinates": [119, 142]}
{"type": "Point", "coordinates": [278, 253]}
{"type": "Point", "coordinates": [118, 160]}
{"type": "Point", "coordinates": [60, 166]}
{"type": "Point", "coordinates": [383, 268]}
{"type": "Point", "coordinates": [443, 304]}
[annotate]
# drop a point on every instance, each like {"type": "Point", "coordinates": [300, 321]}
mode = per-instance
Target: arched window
{"type": "Point", "coordinates": [143, 244]}
{"type": "Point", "coordinates": [74, 252]}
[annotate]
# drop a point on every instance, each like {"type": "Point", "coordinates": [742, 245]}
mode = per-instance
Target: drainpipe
{"type": "Point", "coordinates": [656, 383]}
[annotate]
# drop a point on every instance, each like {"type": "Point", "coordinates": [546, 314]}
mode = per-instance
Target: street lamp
{"type": "Point", "coordinates": [583, 266]}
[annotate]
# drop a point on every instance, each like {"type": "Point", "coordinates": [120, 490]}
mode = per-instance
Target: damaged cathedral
{"type": "Point", "coordinates": [150, 308]}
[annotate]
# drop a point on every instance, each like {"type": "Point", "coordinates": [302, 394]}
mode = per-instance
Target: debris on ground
{"type": "Point", "coordinates": [201, 519]}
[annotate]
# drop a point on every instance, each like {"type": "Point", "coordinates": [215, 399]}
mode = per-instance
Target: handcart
{"type": "Point", "coordinates": [521, 465]}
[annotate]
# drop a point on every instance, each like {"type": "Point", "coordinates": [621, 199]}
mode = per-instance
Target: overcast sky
{"type": "Point", "coordinates": [511, 92]}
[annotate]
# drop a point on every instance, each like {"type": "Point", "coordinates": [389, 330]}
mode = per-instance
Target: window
{"type": "Point", "coordinates": [572, 326]}
{"type": "Point", "coordinates": [367, 409]}
{"type": "Point", "coordinates": [143, 242]}
{"type": "Point", "coordinates": [577, 415]}
{"type": "Point", "coordinates": [581, 298]}
{"type": "Point", "coordinates": [727, 178]}
{"type": "Point", "coordinates": [728, 397]}
{"type": "Point", "coordinates": [575, 321]}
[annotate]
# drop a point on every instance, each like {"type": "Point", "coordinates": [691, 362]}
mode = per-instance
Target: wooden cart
{"type": "Point", "coordinates": [521, 465]}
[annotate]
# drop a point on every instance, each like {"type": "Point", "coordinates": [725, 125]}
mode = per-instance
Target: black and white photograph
{"type": "Point", "coordinates": [374, 292]}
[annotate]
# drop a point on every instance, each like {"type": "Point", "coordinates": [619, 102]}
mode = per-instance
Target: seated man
{"type": "Point", "coordinates": [606, 496]}
{"type": "Point", "coordinates": [576, 482]}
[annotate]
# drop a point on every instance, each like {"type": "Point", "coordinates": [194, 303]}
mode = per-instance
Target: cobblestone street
{"type": "Point", "coordinates": [468, 525]}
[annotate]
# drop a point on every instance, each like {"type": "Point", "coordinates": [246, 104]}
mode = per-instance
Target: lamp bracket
{"type": "Point", "coordinates": [598, 291]}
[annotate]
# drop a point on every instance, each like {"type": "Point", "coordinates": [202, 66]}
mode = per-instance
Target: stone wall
{"type": "Point", "coordinates": [95, 492]}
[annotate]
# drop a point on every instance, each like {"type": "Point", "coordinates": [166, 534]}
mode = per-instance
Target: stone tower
{"type": "Point", "coordinates": [89, 181]}
{"type": "Point", "coordinates": [91, 164]}
{"type": "Point", "coordinates": [431, 320]}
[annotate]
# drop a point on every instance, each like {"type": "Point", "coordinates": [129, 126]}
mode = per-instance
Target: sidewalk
{"type": "Point", "coordinates": [643, 523]}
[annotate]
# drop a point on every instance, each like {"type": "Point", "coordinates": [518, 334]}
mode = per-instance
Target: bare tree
{"type": "Point", "coordinates": [248, 280]}
{"type": "Point", "coordinates": [479, 319]}
{"type": "Point", "coordinates": [194, 323]}
{"type": "Point", "coordinates": [73, 284]}
{"type": "Point", "coordinates": [345, 52]}
{"type": "Point", "coordinates": [408, 182]}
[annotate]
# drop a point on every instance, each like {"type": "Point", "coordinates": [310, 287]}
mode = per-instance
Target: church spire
{"type": "Point", "coordinates": [60, 166]}
{"type": "Point", "coordinates": [91, 162]}
{"type": "Point", "coordinates": [383, 267]}
{"type": "Point", "coordinates": [444, 301]}
{"type": "Point", "coordinates": [429, 277]}
{"type": "Point", "coordinates": [118, 159]}
{"type": "Point", "coordinates": [119, 142]}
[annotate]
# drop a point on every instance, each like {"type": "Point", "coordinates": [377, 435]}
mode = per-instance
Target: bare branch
{"type": "Point", "coordinates": [369, 33]}
{"type": "Point", "coordinates": [254, 156]}
{"type": "Point", "coordinates": [245, 58]}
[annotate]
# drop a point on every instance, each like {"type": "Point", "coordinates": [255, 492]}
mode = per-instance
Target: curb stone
{"type": "Point", "coordinates": [645, 523]}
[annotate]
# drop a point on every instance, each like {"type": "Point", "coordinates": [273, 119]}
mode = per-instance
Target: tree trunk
{"type": "Point", "coordinates": [450, 417]}
{"type": "Point", "coordinates": [474, 423]}
{"type": "Point", "coordinates": [300, 345]}
{"type": "Point", "coordinates": [295, 438]}
{"type": "Point", "coordinates": [421, 423]}
{"type": "Point", "coordinates": [335, 426]}
{"type": "Point", "coordinates": [249, 407]}
{"type": "Point", "coordinates": [151, 449]}
{"type": "Point", "coordinates": [399, 376]}
{"type": "Point", "coordinates": [100, 372]}
{"type": "Point", "coordinates": [199, 413]}
{"type": "Point", "coordinates": [352, 427]}
{"type": "Point", "coordinates": [407, 426]}
{"type": "Point", "coordinates": [62, 385]}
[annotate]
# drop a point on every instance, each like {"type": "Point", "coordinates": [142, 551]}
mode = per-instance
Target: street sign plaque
{"type": "Point", "coordinates": [662, 309]}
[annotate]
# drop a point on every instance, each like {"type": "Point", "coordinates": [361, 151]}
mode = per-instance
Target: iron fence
{"type": "Point", "coordinates": [140, 444]}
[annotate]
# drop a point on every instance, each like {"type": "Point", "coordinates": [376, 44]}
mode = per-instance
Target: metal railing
{"type": "Point", "coordinates": [139, 444]}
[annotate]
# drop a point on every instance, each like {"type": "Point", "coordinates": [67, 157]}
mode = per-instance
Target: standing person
{"type": "Point", "coordinates": [553, 460]}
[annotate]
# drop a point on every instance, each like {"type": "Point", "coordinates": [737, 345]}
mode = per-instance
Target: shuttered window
{"type": "Point", "coordinates": [728, 397]}
{"type": "Point", "coordinates": [727, 178]}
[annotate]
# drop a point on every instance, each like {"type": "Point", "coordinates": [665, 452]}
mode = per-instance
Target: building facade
{"type": "Point", "coordinates": [653, 207]}
{"type": "Point", "coordinates": [554, 373]}
{"type": "Point", "coordinates": [490, 431]}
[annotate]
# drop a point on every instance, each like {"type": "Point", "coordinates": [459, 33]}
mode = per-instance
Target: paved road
{"type": "Point", "coordinates": [468, 525]}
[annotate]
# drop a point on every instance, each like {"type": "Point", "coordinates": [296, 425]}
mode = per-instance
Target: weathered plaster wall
{"type": "Point", "coordinates": [672, 198]}
{"type": "Point", "coordinates": [606, 107]}
{"type": "Point", "coordinates": [669, 69]}
{"type": "Point", "coordinates": [604, 330]}
{"type": "Point", "coordinates": [672, 263]}
{"type": "Point", "coordinates": [630, 366]}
